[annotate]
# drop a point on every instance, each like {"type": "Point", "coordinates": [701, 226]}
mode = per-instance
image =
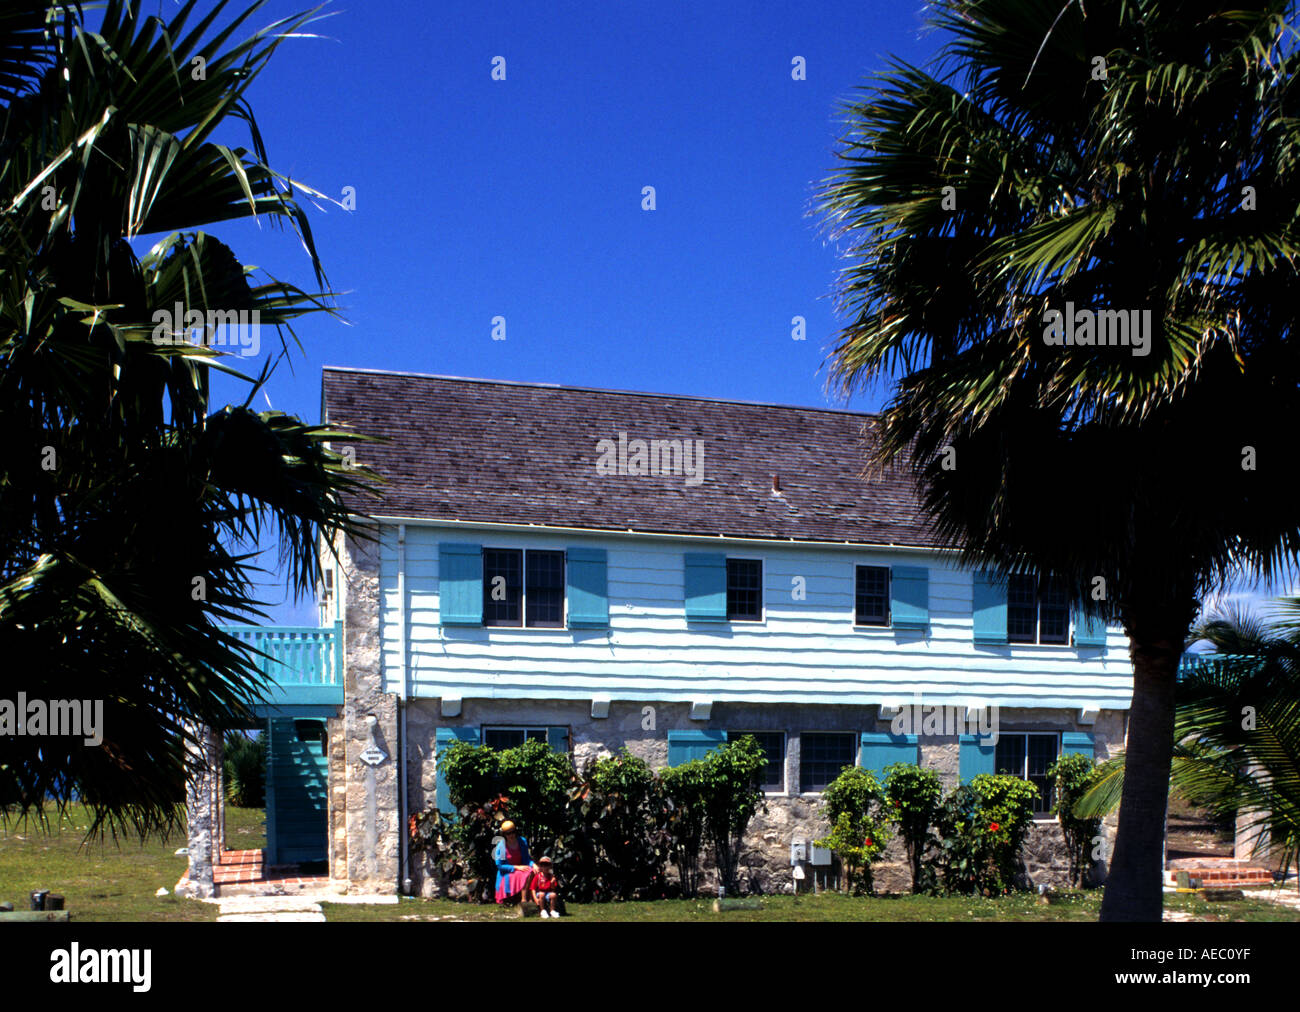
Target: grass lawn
{"type": "Point", "coordinates": [108, 881]}
{"type": "Point", "coordinates": [1078, 906]}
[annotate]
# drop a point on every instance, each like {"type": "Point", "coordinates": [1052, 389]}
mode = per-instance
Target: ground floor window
{"type": "Point", "coordinates": [822, 756]}
{"type": "Point", "coordinates": [511, 737]}
{"type": "Point", "coordinates": [773, 745]}
{"type": "Point", "coordinates": [1028, 755]}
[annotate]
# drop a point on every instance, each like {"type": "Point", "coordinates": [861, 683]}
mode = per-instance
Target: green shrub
{"type": "Point", "coordinates": [981, 828]}
{"type": "Point", "coordinates": [243, 767]}
{"type": "Point", "coordinates": [912, 797]}
{"type": "Point", "coordinates": [732, 793]}
{"type": "Point", "coordinates": [626, 818]}
{"type": "Point", "coordinates": [854, 802]}
{"type": "Point", "coordinates": [528, 785]}
{"type": "Point", "coordinates": [685, 788]}
{"type": "Point", "coordinates": [611, 829]}
{"type": "Point", "coordinates": [1075, 775]}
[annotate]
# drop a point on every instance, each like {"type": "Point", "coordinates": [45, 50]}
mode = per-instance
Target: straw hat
{"type": "Point", "coordinates": [507, 826]}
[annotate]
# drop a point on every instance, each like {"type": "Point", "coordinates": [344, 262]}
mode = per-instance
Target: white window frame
{"type": "Point", "coordinates": [853, 596]}
{"type": "Point", "coordinates": [855, 751]}
{"type": "Point", "coordinates": [1024, 773]}
{"type": "Point", "coordinates": [1038, 625]}
{"type": "Point", "coordinates": [523, 588]}
{"type": "Point", "coordinates": [762, 589]}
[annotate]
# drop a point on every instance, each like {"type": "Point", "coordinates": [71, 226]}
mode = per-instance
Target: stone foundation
{"type": "Point", "coordinates": [788, 816]}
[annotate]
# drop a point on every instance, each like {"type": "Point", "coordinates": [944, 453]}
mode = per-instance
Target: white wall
{"type": "Point", "coordinates": [804, 651]}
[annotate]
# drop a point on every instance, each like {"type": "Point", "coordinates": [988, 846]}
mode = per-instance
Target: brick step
{"type": "Point", "coordinates": [1221, 876]}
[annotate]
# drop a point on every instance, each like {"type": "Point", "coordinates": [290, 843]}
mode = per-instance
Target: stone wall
{"type": "Point", "coordinates": [642, 729]}
{"type": "Point", "coordinates": [364, 834]}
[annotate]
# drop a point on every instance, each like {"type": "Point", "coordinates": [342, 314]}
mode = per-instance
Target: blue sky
{"type": "Point", "coordinates": [522, 198]}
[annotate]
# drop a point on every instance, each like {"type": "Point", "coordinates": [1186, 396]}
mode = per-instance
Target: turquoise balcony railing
{"type": "Point", "coordinates": [303, 664]}
{"type": "Point", "coordinates": [1211, 663]}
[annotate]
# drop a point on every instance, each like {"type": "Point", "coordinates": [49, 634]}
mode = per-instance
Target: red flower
{"type": "Point", "coordinates": [867, 842]}
{"type": "Point", "coordinates": [993, 828]}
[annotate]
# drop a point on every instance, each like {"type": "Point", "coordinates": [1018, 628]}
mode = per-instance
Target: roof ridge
{"type": "Point", "coordinates": [598, 390]}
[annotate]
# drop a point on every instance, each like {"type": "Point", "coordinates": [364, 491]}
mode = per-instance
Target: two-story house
{"type": "Point", "coordinates": [600, 569]}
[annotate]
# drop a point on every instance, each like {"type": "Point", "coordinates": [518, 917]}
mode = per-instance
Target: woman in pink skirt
{"type": "Point", "coordinates": [514, 864]}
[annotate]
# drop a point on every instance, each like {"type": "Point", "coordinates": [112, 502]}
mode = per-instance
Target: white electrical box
{"type": "Point", "coordinates": [820, 857]}
{"type": "Point", "coordinates": [798, 851]}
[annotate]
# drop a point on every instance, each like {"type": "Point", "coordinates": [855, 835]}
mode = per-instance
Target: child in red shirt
{"type": "Point", "coordinates": [546, 889]}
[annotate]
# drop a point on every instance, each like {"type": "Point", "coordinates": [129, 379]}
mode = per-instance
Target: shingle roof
{"type": "Point", "coordinates": [490, 451]}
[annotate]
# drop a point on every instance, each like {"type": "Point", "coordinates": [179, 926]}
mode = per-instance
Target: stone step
{"type": "Point", "coordinates": [296, 915]}
{"type": "Point", "coordinates": [268, 904]}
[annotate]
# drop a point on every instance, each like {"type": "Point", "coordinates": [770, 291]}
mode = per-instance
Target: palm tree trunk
{"type": "Point", "coordinates": [1134, 887]}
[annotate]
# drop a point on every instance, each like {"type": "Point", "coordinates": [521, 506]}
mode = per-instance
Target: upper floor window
{"type": "Point", "coordinates": [822, 756]}
{"type": "Point", "coordinates": [523, 585]}
{"type": "Point", "coordinates": [744, 590]}
{"type": "Point", "coordinates": [1038, 610]}
{"type": "Point", "coordinates": [872, 597]}
{"type": "Point", "coordinates": [1027, 756]}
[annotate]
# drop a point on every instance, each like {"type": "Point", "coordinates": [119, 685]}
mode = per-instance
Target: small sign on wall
{"type": "Point", "coordinates": [373, 755]}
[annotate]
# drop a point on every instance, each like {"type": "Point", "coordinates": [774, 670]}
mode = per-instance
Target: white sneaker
{"type": "Point", "coordinates": [545, 913]}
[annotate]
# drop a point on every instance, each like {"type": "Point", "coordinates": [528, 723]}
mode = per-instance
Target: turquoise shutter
{"type": "Point", "coordinates": [706, 587]}
{"type": "Point", "coordinates": [990, 611]}
{"type": "Point", "coordinates": [1078, 741]}
{"type": "Point", "coordinates": [877, 751]}
{"type": "Point", "coordinates": [1089, 631]}
{"type": "Point", "coordinates": [585, 573]}
{"type": "Point", "coordinates": [683, 746]}
{"type": "Point", "coordinates": [976, 755]}
{"type": "Point", "coordinates": [558, 738]}
{"type": "Point", "coordinates": [909, 597]}
{"type": "Point", "coordinates": [460, 584]}
{"type": "Point", "coordinates": [443, 737]}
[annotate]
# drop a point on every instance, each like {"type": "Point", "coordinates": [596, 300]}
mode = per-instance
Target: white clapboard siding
{"type": "Point", "coordinates": [804, 651]}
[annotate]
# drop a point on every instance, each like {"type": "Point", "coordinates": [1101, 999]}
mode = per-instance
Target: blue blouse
{"type": "Point", "coordinates": [504, 865]}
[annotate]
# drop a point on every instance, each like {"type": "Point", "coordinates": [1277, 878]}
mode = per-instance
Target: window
{"type": "Point", "coordinates": [773, 745]}
{"type": "Point", "coordinates": [518, 583]}
{"type": "Point", "coordinates": [872, 596]}
{"type": "Point", "coordinates": [1038, 611]}
{"type": "Point", "coordinates": [821, 757]}
{"type": "Point", "coordinates": [544, 593]}
{"type": "Point", "coordinates": [1053, 614]}
{"type": "Point", "coordinates": [503, 570]}
{"type": "Point", "coordinates": [1028, 756]}
{"type": "Point", "coordinates": [511, 737]}
{"type": "Point", "coordinates": [744, 590]}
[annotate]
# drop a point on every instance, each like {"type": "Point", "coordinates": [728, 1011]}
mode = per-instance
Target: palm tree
{"type": "Point", "coordinates": [1237, 728]}
{"type": "Point", "coordinates": [131, 506]}
{"type": "Point", "coordinates": [1136, 156]}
